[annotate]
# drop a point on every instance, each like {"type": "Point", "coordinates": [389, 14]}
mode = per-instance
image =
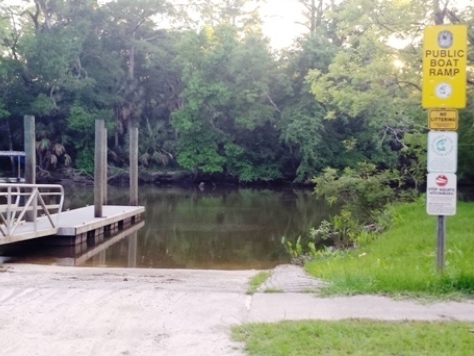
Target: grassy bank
{"type": "Point", "coordinates": [354, 337]}
{"type": "Point", "coordinates": [403, 260]}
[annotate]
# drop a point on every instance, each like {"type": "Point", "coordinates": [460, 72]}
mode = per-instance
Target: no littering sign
{"type": "Point", "coordinates": [443, 119]}
{"type": "Point", "coordinates": [441, 194]}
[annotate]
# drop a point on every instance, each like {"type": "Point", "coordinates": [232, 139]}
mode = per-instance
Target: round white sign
{"type": "Point", "coordinates": [443, 90]}
{"type": "Point", "coordinates": [445, 39]}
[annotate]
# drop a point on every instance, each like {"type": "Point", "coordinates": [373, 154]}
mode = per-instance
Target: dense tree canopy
{"type": "Point", "coordinates": [210, 95]}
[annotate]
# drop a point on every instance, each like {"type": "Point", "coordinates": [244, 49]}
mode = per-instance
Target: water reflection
{"type": "Point", "coordinates": [215, 228]}
{"type": "Point", "coordinates": [94, 253]}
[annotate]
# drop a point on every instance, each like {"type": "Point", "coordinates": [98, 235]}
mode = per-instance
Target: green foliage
{"type": "Point", "coordinates": [346, 229]}
{"type": "Point", "coordinates": [331, 238]}
{"type": "Point", "coordinates": [215, 97]}
{"type": "Point", "coordinates": [50, 153]}
{"type": "Point", "coordinates": [155, 146]}
{"type": "Point", "coordinates": [220, 124]}
{"type": "Point", "coordinates": [466, 145]}
{"type": "Point", "coordinates": [412, 159]}
{"type": "Point", "coordinates": [42, 105]}
{"type": "Point", "coordinates": [368, 89]}
{"type": "Point", "coordinates": [199, 155]}
{"type": "Point", "coordinates": [81, 126]}
{"type": "Point", "coordinates": [403, 259]}
{"type": "Point", "coordinates": [251, 165]}
{"type": "Point", "coordinates": [294, 250]}
{"type": "Point", "coordinates": [361, 190]}
{"type": "Point", "coordinates": [364, 195]}
{"type": "Point", "coordinates": [304, 133]}
{"type": "Point", "coordinates": [85, 160]}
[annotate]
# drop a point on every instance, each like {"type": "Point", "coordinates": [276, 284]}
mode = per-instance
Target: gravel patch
{"type": "Point", "coordinates": [290, 279]}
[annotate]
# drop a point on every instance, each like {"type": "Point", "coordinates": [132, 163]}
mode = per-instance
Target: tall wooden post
{"type": "Point", "coordinates": [30, 158]}
{"type": "Point", "coordinates": [30, 149]}
{"type": "Point", "coordinates": [105, 164]}
{"type": "Point", "coordinates": [133, 131]}
{"type": "Point", "coordinates": [98, 169]}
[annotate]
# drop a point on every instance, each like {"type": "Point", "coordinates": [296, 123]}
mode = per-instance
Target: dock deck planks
{"type": "Point", "coordinates": [78, 221]}
{"type": "Point", "coordinates": [73, 222]}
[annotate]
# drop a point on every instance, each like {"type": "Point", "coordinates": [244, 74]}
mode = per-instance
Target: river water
{"type": "Point", "coordinates": [213, 227]}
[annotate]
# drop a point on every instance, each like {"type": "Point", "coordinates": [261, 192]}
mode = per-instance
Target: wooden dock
{"type": "Point", "coordinates": [80, 224]}
{"type": "Point", "coordinates": [77, 225]}
{"type": "Point", "coordinates": [29, 210]}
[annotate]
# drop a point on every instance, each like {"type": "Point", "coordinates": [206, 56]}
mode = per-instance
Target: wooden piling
{"type": "Point", "coordinates": [105, 164]}
{"type": "Point", "coordinates": [30, 158]}
{"type": "Point", "coordinates": [30, 149]}
{"type": "Point", "coordinates": [98, 169]}
{"type": "Point", "coordinates": [133, 131]}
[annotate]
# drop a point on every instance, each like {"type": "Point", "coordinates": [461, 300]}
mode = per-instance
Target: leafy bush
{"type": "Point", "coordinates": [85, 160]}
{"type": "Point", "coordinates": [360, 190]}
{"type": "Point", "coordinates": [364, 194]}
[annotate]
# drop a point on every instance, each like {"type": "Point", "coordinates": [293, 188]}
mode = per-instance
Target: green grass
{"type": "Point", "coordinates": [400, 262]}
{"type": "Point", "coordinates": [257, 280]}
{"type": "Point", "coordinates": [403, 260]}
{"type": "Point", "coordinates": [356, 337]}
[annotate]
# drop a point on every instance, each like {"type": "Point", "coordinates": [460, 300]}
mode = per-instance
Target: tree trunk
{"type": "Point", "coordinates": [439, 14]}
{"type": "Point", "coordinates": [10, 147]}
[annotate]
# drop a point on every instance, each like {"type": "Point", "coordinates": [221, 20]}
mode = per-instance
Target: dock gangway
{"type": "Point", "coordinates": [29, 211]}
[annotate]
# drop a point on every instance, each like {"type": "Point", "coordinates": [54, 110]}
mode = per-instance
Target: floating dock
{"type": "Point", "coordinates": [77, 225]}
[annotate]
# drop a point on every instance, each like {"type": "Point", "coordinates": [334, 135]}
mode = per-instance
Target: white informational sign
{"type": "Point", "coordinates": [441, 193]}
{"type": "Point", "coordinates": [442, 152]}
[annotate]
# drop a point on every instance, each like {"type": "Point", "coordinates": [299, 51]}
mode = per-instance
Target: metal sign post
{"type": "Point", "coordinates": [440, 233]}
{"type": "Point", "coordinates": [443, 91]}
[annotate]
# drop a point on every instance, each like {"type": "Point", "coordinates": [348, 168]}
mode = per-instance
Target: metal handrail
{"type": "Point", "coordinates": [24, 202]}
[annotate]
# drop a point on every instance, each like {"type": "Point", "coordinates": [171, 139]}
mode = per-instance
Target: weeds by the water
{"type": "Point", "coordinates": [356, 337]}
{"type": "Point", "coordinates": [402, 261]}
{"type": "Point", "coordinates": [273, 290]}
{"type": "Point", "coordinates": [257, 281]}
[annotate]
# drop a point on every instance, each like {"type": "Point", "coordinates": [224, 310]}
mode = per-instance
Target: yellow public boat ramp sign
{"type": "Point", "coordinates": [444, 66]}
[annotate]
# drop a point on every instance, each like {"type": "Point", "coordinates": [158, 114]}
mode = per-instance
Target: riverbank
{"type": "Point", "coordinates": [52, 310]}
{"type": "Point", "coordinates": [402, 261]}
{"type": "Point", "coordinates": [119, 176]}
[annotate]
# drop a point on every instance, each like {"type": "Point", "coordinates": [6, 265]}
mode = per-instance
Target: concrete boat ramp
{"type": "Point", "coordinates": [53, 310]}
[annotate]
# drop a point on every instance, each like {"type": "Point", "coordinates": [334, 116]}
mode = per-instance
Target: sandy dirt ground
{"type": "Point", "coordinates": [47, 310]}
